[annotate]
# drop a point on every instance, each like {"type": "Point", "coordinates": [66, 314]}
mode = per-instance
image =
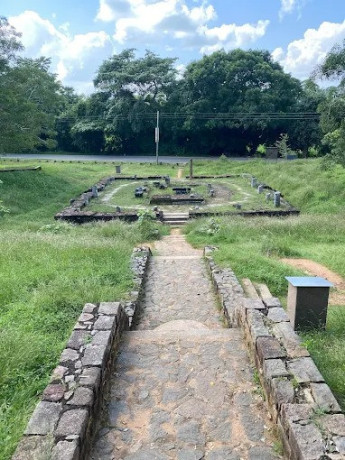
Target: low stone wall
{"type": "Point", "coordinates": [73, 213]}
{"type": "Point", "coordinates": [62, 425]}
{"type": "Point", "coordinates": [28, 168]}
{"type": "Point", "coordinates": [311, 422]}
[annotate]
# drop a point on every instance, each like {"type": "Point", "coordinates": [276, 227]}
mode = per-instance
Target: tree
{"type": "Point", "coordinates": [332, 108]}
{"type": "Point", "coordinates": [30, 96]}
{"type": "Point", "coordinates": [134, 89]}
{"type": "Point", "coordinates": [238, 83]}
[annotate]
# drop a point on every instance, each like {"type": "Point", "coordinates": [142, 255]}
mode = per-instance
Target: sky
{"type": "Point", "coordinates": [78, 35]}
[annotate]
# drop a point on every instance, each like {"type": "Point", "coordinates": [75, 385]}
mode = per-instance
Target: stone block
{"type": "Point", "coordinates": [257, 328]}
{"type": "Point", "coordinates": [85, 317]}
{"type": "Point", "coordinates": [269, 348]}
{"type": "Point", "coordinates": [34, 447]}
{"type": "Point", "coordinates": [91, 377]}
{"type": "Point", "coordinates": [102, 338]}
{"type": "Point", "coordinates": [53, 392]}
{"type": "Point", "coordinates": [105, 323]}
{"type": "Point", "coordinates": [304, 370]}
{"type": "Point", "coordinates": [253, 304]}
{"type": "Point", "coordinates": [109, 308]}
{"type": "Point", "coordinates": [72, 422]}
{"type": "Point", "coordinates": [66, 450]}
{"type": "Point", "coordinates": [272, 302]}
{"type": "Point", "coordinates": [58, 373]}
{"type": "Point", "coordinates": [324, 397]}
{"type": "Point", "coordinates": [277, 315]}
{"type": "Point", "coordinates": [333, 424]}
{"type": "Point", "coordinates": [290, 340]}
{"type": "Point", "coordinates": [305, 439]}
{"type": "Point", "coordinates": [78, 339]}
{"type": "Point", "coordinates": [94, 355]}
{"type": "Point", "coordinates": [68, 356]}
{"type": "Point", "coordinates": [83, 396]}
{"type": "Point", "coordinates": [282, 391]}
{"type": "Point", "coordinates": [44, 418]}
{"type": "Point", "coordinates": [89, 308]}
{"type": "Point", "coordinates": [274, 368]}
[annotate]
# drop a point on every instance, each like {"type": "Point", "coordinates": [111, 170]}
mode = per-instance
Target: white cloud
{"type": "Point", "coordinates": [73, 56]}
{"type": "Point", "coordinates": [154, 20]}
{"type": "Point", "coordinates": [288, 6]}
{"type": "Point", "coordinates": [302, 56]}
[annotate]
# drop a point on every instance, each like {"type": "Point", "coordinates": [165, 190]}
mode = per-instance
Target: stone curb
{"type": "Point", "coordinates": [302, 405]}
{"type": "Point", "coordinates": [62, 425]}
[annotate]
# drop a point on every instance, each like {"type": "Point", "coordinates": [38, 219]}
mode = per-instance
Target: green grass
{"type": "Point", "coordinates": [48, 270]}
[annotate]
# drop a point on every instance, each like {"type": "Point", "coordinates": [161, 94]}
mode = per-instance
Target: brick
{"type": "Point", "coordinates": [72, 422]}
{"type": "Point", "coordinates": [304, 370]}
{"type": "Point", "coordinates": [269, 348]}
{"type": "Point", "coordinates": [44, 418]}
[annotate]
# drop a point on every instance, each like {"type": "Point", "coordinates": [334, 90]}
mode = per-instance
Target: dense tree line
{"type": "Point", "coordinates": [228, 102]}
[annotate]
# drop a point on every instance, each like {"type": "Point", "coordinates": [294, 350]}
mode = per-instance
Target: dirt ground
{"type": "Point", "coordinates": [337, 294]}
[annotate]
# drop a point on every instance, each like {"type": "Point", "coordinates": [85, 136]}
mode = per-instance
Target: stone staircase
{"type": "Point", "coordinates": [175, 218]}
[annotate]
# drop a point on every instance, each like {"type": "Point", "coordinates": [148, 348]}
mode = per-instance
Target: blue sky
{"type": "Point", "coordinates": [79, 34]}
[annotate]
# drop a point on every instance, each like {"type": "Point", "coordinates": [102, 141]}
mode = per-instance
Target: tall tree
{"type": "Point", "coordinates": [135, 89]}
{"type": "Point", "coordinates": [238, 83]}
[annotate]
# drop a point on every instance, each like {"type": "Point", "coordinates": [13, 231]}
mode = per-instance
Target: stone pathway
{"type": "Point", "coordinates": [182, 385]}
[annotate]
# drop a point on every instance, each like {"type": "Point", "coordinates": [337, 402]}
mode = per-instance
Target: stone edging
{"type": "Point", "coordinates": [310, 420]}
{"type": "Point", "coordinates": [28, 168]}
{"type": "Point", "coordinates": [62, 425]}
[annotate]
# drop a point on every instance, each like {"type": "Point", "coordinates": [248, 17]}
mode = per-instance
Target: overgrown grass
{"type": "Point", "coordinates": [306, 184]}
{"type": "Point", "coordinates": [253, 249]}
{"type": "Point", "coordinates": [48, 270]}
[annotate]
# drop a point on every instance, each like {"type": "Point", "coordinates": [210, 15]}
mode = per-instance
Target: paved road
{"type": "Point", "coordinates": [119, 159]}
{"type": "Point", "coordinates": [182, 387]}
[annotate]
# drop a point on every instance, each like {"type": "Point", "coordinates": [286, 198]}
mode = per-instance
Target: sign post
{"type": "Point", "coordinates": [157, 137]}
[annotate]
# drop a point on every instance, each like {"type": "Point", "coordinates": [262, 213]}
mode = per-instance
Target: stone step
{"type": "Point", "coordinates": [189, 331]}
{"type": "Point", "coordinates": [175, 222]}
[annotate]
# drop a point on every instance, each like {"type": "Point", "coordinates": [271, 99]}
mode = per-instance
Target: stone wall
{"type": "Point", "coordinates": [63, 423]}
{"type": "Point", "coordinates": [311, 422]}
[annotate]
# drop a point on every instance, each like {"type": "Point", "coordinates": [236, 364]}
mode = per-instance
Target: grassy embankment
{"type": "Point", "coordinates": [253, 247]}
{"type": "Point", "coordinates": [48, 270]}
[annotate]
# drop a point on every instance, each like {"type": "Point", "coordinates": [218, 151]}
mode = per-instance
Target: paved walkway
{"type": "Point", "coordinates": [182, 386]}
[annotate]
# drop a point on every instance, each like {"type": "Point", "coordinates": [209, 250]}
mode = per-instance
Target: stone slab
{"type": "Point", "coordinates": [34, 447]}
{"type": "Point", "coordinates": [324, 398]}
{"type": "Point", "coordinates": [277, 315]}
{"type": "Point", "coordinates": [66, 450]}
{"type": "Point", "coordinates": [274, 368]}
{"type": "Point", "coordinates": [72, 422]}
{"type": "Point", "coordinates": [105, 323]}
{"type": "Point", "coordinates": [44, 418]}
{"type": "Point", "coordinates": [290, 340]}
{"type": "Point", "coordinates": [304, 370]}
{"type": "Point", "coordinates": [109, 308]}
{"type": "Point", "coordinates": [83, 396]}
{"type": "Point", "coordinates": [269, 348]}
